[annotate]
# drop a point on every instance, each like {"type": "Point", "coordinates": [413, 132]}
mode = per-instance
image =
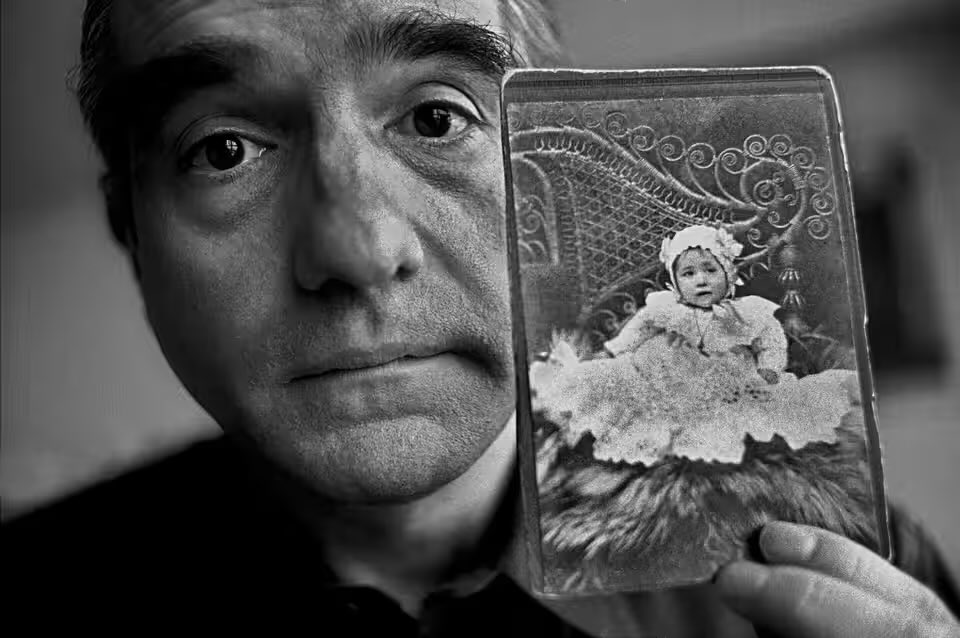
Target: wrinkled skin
{"type": "Point", "coordinates": [343, 229]}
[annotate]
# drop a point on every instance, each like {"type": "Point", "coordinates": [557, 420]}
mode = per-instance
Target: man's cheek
{"type": "Point", "coordinates": [491, 224]}
{"type": "Point", "coordinates": [488, 183]}
{"type": "Point", "coordinates": [206, 295]}
{"type": "Point", "coordinates": [475, 186]}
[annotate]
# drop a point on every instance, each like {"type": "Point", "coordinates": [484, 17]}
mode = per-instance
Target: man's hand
{"type": "Point", "coordinates": [819, 584]}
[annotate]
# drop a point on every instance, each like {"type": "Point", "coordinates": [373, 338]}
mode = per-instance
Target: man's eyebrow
{"type": "Point", "coordinates": [143, 94]}
{"type": "Point", "coordinates": [137, 98]}
{"type": "Point", "coordinates": [417, 35]}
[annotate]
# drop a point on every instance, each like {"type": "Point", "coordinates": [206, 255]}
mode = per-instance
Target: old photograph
{"type": "Point", "coordinates": [687, 284]}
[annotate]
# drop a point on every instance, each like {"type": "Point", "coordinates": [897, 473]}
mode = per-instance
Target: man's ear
{"type": "Point", "coordinates": [119, 202]}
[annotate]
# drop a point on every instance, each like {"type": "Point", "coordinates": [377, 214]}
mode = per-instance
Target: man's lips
{"type": "Point", "coordinates": [356, 359]}
{"type": "Point", "coordinates": [379, 386]}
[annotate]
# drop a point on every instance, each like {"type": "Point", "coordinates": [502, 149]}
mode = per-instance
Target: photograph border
{"type": "Point", "coordinates": [543, 85]}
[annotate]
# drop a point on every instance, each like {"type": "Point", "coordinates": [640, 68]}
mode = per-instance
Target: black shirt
{"type": "Point", "coordinates": [194, 542]}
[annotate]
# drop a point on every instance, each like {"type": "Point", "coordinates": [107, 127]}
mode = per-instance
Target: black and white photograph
{"type": "Point", "coordinates": [703, 368]}
{"type": "Point", "coordinates": [480, 318]}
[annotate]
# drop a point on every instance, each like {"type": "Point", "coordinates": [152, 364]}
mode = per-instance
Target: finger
{"type": "Point", "coordinates": [794, 602]}
{"type": "Point", "coordinates": [834, 555]}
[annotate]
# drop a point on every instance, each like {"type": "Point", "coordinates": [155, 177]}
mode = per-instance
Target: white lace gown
{"type": "Point", "coordinates": [653, 400]}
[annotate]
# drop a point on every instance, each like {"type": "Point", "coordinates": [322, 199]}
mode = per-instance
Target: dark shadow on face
{"type": "Point", "coordinates": [320, 224]}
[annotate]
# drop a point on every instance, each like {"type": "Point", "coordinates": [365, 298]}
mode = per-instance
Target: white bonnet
{"type": "Point", "coordinates": [718, 241]}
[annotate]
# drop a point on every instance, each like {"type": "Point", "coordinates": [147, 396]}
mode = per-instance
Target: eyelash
{"type": "Point", "coordinates": [185, 161]}
{"type": "Point", "coordinates": [464, 137]}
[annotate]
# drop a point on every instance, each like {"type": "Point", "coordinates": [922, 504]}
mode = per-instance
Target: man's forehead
{"type": "Point", "coordinates": [144, 29]}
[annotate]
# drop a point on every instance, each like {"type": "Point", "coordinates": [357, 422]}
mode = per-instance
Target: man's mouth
{"type": "Point", "coordinates": [380, 386]}
{"type": "Point", "coordinates": [387, 356]}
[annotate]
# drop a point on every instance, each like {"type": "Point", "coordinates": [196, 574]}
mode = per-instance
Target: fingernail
{"type": "Point", "coordinates": [741, 579]}
{"type": "Point", "coordinates": [787, 542]}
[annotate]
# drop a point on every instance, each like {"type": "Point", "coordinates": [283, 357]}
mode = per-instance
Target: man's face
{"type": "Point", "coordinates": [319, 205]}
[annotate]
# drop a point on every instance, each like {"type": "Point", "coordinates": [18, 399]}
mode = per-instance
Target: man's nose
{"type": "Point", "coordinates": [354, 224]}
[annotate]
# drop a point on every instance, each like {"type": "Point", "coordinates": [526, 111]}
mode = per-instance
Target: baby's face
{"type": "Point", "coordinates": [700, 278]}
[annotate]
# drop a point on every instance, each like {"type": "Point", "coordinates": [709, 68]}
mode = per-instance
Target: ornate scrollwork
{"type": "Point", "coordinates": [531, 222]}
{"type": "Point", "coordinates": [616, 125]}
{"type": "Point", "coordinates": [643, 138]}
{"type": "Point", "coordinates": [671, 148]}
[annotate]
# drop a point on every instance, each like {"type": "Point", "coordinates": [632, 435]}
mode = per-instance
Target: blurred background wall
{"type": "Point", "coordinates": [85, 391]}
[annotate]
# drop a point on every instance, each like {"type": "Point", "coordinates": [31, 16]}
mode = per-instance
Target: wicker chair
{"type": "Point", "coordinates": [595, 194]}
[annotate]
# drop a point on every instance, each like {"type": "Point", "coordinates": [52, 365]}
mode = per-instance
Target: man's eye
{"type": "Point", "coordinates": [222, 152]}
{"type": "Point", "coordinates": [435, 119]}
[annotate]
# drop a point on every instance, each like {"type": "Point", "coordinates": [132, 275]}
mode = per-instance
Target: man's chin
{"type": "Point", "coordinates": [391, 461]}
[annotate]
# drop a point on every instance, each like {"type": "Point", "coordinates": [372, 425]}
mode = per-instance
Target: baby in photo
{"type": "Point", "coordinates": [700, 309]}
{"type": "Point", "coordinates": [693, 373]}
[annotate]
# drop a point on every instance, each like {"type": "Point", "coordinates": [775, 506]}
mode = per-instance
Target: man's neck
{"type": "Point", "coordinates": [406, 550]}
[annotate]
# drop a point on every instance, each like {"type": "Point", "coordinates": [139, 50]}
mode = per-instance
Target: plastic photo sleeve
{"type": "Point", "coordinates": [689, 322]}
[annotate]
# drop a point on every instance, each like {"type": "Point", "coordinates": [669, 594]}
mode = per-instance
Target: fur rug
{"type": "Point", "coordinates": [620, 526]}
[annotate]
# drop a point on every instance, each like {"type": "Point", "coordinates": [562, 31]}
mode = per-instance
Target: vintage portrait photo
{"type": "Point", "coordinates": [687, 291]}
